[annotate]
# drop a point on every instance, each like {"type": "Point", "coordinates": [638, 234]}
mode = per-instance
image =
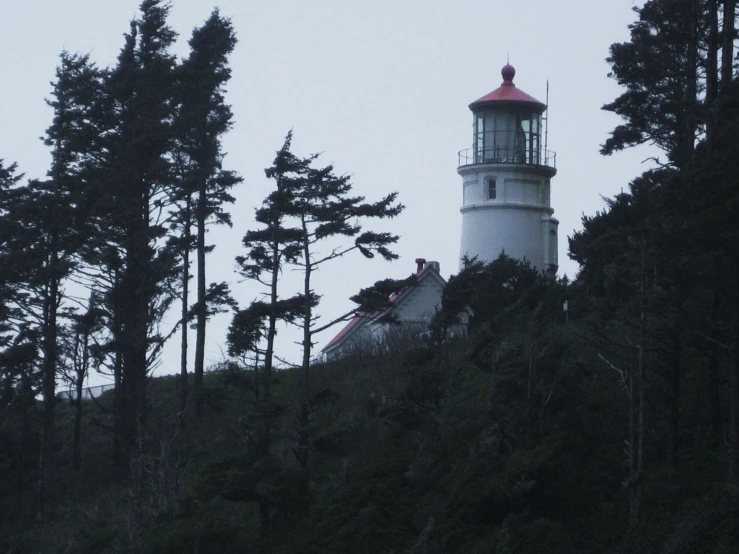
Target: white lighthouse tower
{"type": "Point", "coordinates": [506, 180]}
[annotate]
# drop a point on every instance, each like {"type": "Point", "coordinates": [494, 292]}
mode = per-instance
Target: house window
{"type": "Point", "coordinates": [492, 190]}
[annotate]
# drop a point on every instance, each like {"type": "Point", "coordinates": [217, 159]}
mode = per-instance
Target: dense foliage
{"type": "Point", "coordinates": [600, 415]}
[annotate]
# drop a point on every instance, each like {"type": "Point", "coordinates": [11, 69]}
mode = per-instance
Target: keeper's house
{"type": "Point", "coordinates": [413, 306]}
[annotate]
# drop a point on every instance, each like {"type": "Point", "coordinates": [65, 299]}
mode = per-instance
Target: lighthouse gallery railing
{"type": "Point", "coordinates": [502, 155]}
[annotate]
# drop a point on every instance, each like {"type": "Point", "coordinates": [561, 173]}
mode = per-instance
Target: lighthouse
{"type": "Point", "coordinates": [506, 180]}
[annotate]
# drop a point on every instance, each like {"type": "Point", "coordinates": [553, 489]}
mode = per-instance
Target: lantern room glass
{"type": "Point", "coordinates": [507, 136]}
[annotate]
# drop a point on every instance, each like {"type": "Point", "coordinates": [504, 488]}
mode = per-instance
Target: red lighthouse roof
{"type": "Point", "coordinates": [507, 92]}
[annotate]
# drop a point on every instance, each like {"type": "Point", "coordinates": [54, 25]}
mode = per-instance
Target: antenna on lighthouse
{"type": "Point", "coordinates": [546, 123]}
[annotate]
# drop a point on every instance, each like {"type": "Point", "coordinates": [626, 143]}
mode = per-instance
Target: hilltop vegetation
{"type": "Point", "coordinates": [599, 415]}
{"type": "Point", "coordinates": [511, 439]}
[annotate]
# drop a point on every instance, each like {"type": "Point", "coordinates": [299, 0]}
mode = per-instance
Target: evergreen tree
{"type": "Point", "coordinates": [138, 172]}
{"type": "Point", "coordinates": [273, 246]}
{"type": "Point", "coordinates": [40, 253]}
{"type": "Point", "coordinates": [613, 249]}
{"type": "Point", "coordinates": [269, 249]}
{"type": "Point", "coordinates": [669, 71]}
{"type": "Point", "coordinates": [202, 186]}
{"type": "Point", "coordinates": [9, 179]}
{"type": "Point", "coordinates": [489, 294]}
{"type": "Point", "coordinates": [49, 228]}
{"type": "Point", "coordinates": [710, 196]}
{"type": "Point", "coordinates": [81, 351]}
{"type": "Point", "coordinates": [19, 375]}
{"type": "Point", "coordinates": [324, 210]}
{"type": "Point", "coordinates": [677, 69]}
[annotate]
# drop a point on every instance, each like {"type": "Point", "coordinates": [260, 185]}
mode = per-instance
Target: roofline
{"type": "Point", "coordinates": [477, 104]}
{"type": "Point", "coordinates": [362, 320]}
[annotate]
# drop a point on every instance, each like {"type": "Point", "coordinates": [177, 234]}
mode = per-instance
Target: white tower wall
{"type": "Point", "coordinates": [517, 221]}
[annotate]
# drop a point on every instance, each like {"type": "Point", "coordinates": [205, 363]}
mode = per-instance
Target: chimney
{"type": "Point", "coordinates": [435, 265]}
{"type": "Point", "coordinates": [420, 263]}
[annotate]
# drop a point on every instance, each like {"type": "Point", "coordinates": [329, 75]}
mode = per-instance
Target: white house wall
{"type": "Point", "coordinates": [422, 301]}
{"type": "Point", "coordinates": [416, 306]}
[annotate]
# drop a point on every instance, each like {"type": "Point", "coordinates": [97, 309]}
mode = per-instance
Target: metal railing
{"type": "Point", "coordinates": [87, 392]}
{"type": "Point", "coordinates": [499, 155]}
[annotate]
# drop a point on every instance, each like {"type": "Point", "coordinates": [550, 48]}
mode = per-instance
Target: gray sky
{"type": "Point", "coordinates": [380, 87]}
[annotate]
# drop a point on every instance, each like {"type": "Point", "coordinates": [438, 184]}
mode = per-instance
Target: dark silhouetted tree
{"type": "Point", "coordinates": [202, 186]}
{"type": "Point", "coordinates": [325, 209]}
{"type": "Point", "coordinates": [269, 248]}
{"type": "Point", "coordinates": [138, 175]}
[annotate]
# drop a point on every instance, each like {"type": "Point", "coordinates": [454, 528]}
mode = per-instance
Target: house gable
{"type": "Point", "coordinates": [413, 305]}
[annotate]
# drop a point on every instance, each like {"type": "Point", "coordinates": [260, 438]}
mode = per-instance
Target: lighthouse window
{"type": "Point", "coordinates": [492, 190]}
{"type": "Point", "coordinates": [480, 138]}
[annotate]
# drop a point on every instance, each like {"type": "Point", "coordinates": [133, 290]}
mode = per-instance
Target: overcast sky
{"type": "Point", "coordinates": [381, 88]}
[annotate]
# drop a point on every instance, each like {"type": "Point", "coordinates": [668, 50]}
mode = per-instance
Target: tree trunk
{"type": "Point", "coordinates": [307, 315]}
{"type": "Point", "coordinates": [265, 408]}
{"type": "Point", "coordinates": [200, 310]}
{"type": "Point", "coordinates": [81, 374]}
{"type": "Point", "coordinates": [272, 324]}
{"type": "Point", "coordinates": [675, 378]}
{"type": "Point", "coordinates": [636, 412]}
{"type": "Point", "coordinates": [135, 334]}
{"type": "Point", "coordinates": [734, 388]}
{"type": "Point", "coordinates": [26, 437]}
{"type": "Point", "coordinates": [117, 367]}
{"type": "Point", "coordinates": [691, 81]}
{"type": "Point", "coordinates": [642, 338]}
{"type": "Point", "coordinates": [302, 450]}
{"type": "Point", "coordinates": [77, 422]}
{"type": "Point", "coordinates": [632, 442]}
{"type": "Point", "coordinates": [185, 308]}
{"type": "Point", "coordinates": [45, 498]}
{"type": "Point", "coordinates": [675, 373]}
{"type": "Point", "coordinates": [713, 362]}
{"type": "Point", "coordinates": [727, 47]}
{"type": "Point", "coordinates": [711, 67]}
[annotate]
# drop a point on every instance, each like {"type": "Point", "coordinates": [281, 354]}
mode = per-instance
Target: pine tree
{"type": "Point", "coordinates": [668, 68]}
{"type": "Point", "coordinates": [678, 71]}
{"type": "Point", "coordinates": [9, 179]}
{"type": "Point", "coordinates": [19, 354]}
{"type": "Point", "coordinates": [40, 255]}
{"type": "Point", "coordinates": [81, 350]}
{"type": "Point", "coordinates": [138, 175]}
{"type": "Point", "coordinates": [50, 229]}
{"type": "Point", "coordinates": [273, 246]}
{"type": "Point", "coordinates": [710, 196]}
{"type": "Point", "coordinates": [269, 249]}
{"type": "Point", "coordinates": [203, 186]}
{"type": "Point", "coordinates": [324, 210]}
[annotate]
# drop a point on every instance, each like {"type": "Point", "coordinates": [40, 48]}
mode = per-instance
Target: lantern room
{"type": "Point", "coordinates": [507, 127]}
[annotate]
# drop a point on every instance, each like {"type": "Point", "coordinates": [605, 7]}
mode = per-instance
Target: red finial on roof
{"type": "Point", "coordinates": [508, 72]}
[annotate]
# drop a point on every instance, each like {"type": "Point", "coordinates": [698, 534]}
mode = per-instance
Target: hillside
{"type": "Point", "coordinates": [421, 449]}
{"type": "Point", "coordinates": [532, 414]}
